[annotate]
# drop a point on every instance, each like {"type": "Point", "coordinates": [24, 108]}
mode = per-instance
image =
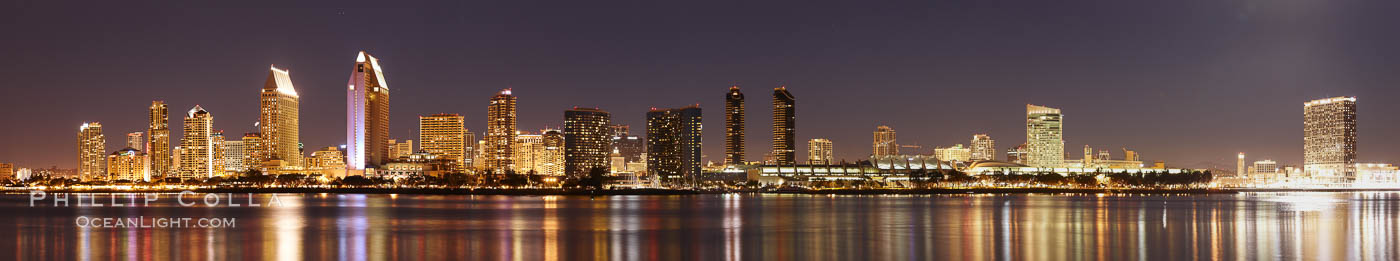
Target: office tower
{"type": "Point", "coordinates": [1239, 166]}
{"type": "Point", "coordinates": [136, 140]}
{"type": "Point", "coordinates": [469, 155]}
{"type": "Point", "coordinates": [551, 159]}
{"type": "Point", "coordinates": [197, 145]}
{"type": "Point", "coordinates": [1131, 155]}
{"type": "Point", "coordinates": [1329, 139]}
{"type": "Point", "coordinates": [217, 138]}
{"type": "Point", "coordinates": [620, 130]}
{"type": "Point", "coordinates": [234, 154]}
{"type": "Point", "coordinates": [92, 151]}
{"type": "Point", "coordinates": [479, 157]}
{"type": "Point", "coordinates": [444, 135]}
{"type": "Point", "coordinates": [1045, 144]}
{"type": "Point", "coordinates": [367, 119]}
{"type": "Point", "coordinates": [1265, 168]}
{"type": "Point", "coordinates": [819, 152]}
{"type": "Point", "coordinates": [983, 148]}
{"type": "Point", "coordinates": [500, 132]}
{"type": "Point", "coordinates": [784, 126]}
{"type": "Point", "coordinates": [175, 157]}
{"type": "Point", "coordinates": [252, 151]}
{"type": "Point", "coordinates": [586, 140]}
{"type": "Point", "coordinates": [279, 120]}
{"type": "Point", "coordinates": [618, 164]}
{"type": "Point", "coordinates": [884, 142]}
{"type": "Point", "coordinates": [630, 147]}
{"type": "Point", "coordinates": [158, 139]}
{"type": "Point", "coordinates": [956, 153]}
{"type": "Point", "coordinates": [1016, 155]}
{"type": "Point", "coordinates": [400, 148]}
{"type": "Point", "coordinates": [734, 126]}
{"type": "Point", "coordinates": [673, 144]}
{"type": "Point", "coordinates": [128, 164]}
{"type": "Point", "coordinates": [529, 149]}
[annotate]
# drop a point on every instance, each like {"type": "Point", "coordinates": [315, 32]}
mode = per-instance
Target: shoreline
{"type": "Point", "coordinates": [644, 192]}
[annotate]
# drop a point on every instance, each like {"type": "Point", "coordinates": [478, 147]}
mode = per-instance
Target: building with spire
{"type": "Point", "coordinates": [158, 140]}
{"type": "Point", "coordinates": [1045, 143]}
{"type": "Point", "coordinates": [279, 121]}
{"type": "Point", "coordinates": [367, 117]}
{"type": "Point", "coordinates": [92, 150]}
{"type": "Point", "coordinates": [784, 127]}
{"type": "Point", "coordinates": [500, 133]}
{"type": "Point", "coordinates": [197, 145]}
{"type": "Point", "coordinates": [734, 126]}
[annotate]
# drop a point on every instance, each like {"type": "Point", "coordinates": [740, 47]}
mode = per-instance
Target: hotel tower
{"type": "Point", "coordinates": [1329, 139]}
{"type": "Point", "coordinates": [158, 140]}
{"type": "Point", "coordinates": [197, 145]}
{"type": "Point", "coordinates": [367, 117]}
{"type": "Point", "coordinates": [734, 126]}
{"type": "Point", "coordinates": [1045, 143]}
{"type": "Point", "coordinates": [784, 127]}
{"type": "Point", "coordinates": [500, 132]}
{"type": "Point", "coordinates": [587, 140]}
{"type": "Point", "coordinates": [278, 120]}
{"type": "Point", "coordinates": [92, 151]}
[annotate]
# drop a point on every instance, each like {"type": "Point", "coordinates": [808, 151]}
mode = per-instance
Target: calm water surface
{"type": "Point", "coordinates": [1309, 226]}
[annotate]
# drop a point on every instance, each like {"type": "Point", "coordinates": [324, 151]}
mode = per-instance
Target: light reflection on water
{"type": "Point", "coordinates": [1309, 226]}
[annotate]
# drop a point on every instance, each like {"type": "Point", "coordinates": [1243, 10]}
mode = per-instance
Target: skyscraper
{"type": "Point", "coordinates": [1239, 166]}
{"type": "Point", "coordinates": [158, 132]}
{"type": "Point", "coordinates": [217, 138]}
{"type": "Point", "coordinates": [1045, 144]}
{"type": "Point", "coordinates": [234, 156]}
{"type": "Point", "coordinates": [529, 152]}
{"type": "Point", "coordinates": [673, 144]}
{"type": "Point", "coordinates": [1329, 139]}
{"type": "Point", "coordinates": [252, 151]}
{"type": "Point", "coordinates": [884, 144]}
{"type": "Point", "coordinates": [197, 145]}
{"type": "Point", "coordinates": [587, 140]}
{"type": "Point", "coordinates": [629, 147]}
{"type": "Point", "coordinates": [819, 151]}
{"type": "Point", "coordinates": [444, 135]}
{"type": "Point", "coordinates": [733, 126]}
{"type": "Point", "coordinates": [400, 148]}
{"type": "Point", "coordinates": [500, 132]}
{"type": "Point", "coordinates": [551, 159]}
{"type": "Point", "coordinates": [983, 147]}
{"type": "Point", "coordinates": [784, 126]}
{"type": "Point", "coordinates": [135, 140]}
{"type": "Point", "coordinates": [92, 150]}
{"type": "Point", "coordinates": [367, 119]}
{"type": "Point", "coordinates": [279, 119]}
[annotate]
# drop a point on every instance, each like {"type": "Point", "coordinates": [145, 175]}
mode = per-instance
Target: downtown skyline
{"type": "Point", "coordinates": [1178, 120]}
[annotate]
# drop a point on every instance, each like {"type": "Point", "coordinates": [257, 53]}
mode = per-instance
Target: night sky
{"type": "Point", "coordinates": [1188, 82]}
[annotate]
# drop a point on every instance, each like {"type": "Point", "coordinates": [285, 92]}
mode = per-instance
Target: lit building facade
{"type": "Point", "coordinates": [528, 153]}
{"type": "Point", "coordinates": [1239, 166]}
{"type": "Point", "coordinates": [819, 151]}
{"type": "Point", "coordinates": [128, 164]}
{"type": "Point", "coordinates": [279, 119]}
{"type": "Point", "coordinates": [884, 143]}
{"type": "Point", "coordinates": [444, 135]}
{"type": "Point", "coordinates": [551, 159]}
{"type": "Point", "coordinates": [1329, 139]}
{"type": "Point", "coordinates": [983, 148]}
{"type": "Point", "coordinates": [92, 150]}
{"type": "Point", "coordinates": [500, 133]}
{"type": "Point", "coordinates": [956, 153]}
{"type": "Point", "coordinates": [252, 151]}
{"type": "Point", "coordinates": [234, 155]}
{"type": "Point", "coordinates": [1045, 143]}
{"type": "Point", "coordinates": [733, 126]}
{"type": "Point", "coordinates": [587, 138]}
{"type": "Point", "coordinates": [784, 126]}
{"type": "Point", "coordinates": [158, 139]}
{"type": "Point", "coordinates": [136, 140]}
{"type": "Point", "coordinates": [367, 116]}
{"type": "Point", "coordinates": [329, 162]}
{"type": "Point", "coordinates": [630, 147]}
{"type": "Point", "coordinates": [401, 148]}
{"type": "Point", "coordinates": [673, 144]}
{"type": "Point", "coordinates": [197, 145]}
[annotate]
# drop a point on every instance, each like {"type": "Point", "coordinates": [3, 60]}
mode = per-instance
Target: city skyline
{"type": "Point", "coordinates": [844, 107]}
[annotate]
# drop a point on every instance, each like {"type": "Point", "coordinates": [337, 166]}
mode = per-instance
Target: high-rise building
{"type": "Point", "coordinates": [529, 150]}
{"type": "Point", "coordinates": [500, 132]}
{"type": "Point", "coordinates": [587, 140]}
{"type": "Point", "coordinates": [234, 155]}
{"type": "Point", "coordinates": [158, 139]}
{"type": "Point", "coordinates": [469, 157]}
{"type": "Point", "coordinates": [983, 147]}
{"type": "Point", "coordinates": [733, 126]}
{"type": "Point", "coordinates": [197, 145]}
{"type": "Point", "coordinates": [1265, 168]}
{"type": "Point", "coordinates": [629, 147]}
{"type": "Point", "coordinates": [401, 148]}
{"type": "Point", "coordinates": [367, 119]}
{"type": "Point", "coordinates": [884, 144]}
{"type": "Point", "coordinates": [7, 172]}
{"type": "Point", "coordinates": [551, 159]}
{"type": "Point", "coordinates": [279, 120]}
{"type": "Point", "coordinates": [819, 152]}
{"type": "Point", "coordinates": [136, 141]}
{"type": "Point", "coordinates": [956, 153]}
{"type": "Point", "coordinates": [673, 144]}
{"type": "Point", "coordinates": [252, 151]}
{"type": "Point", "coordinates": [1329, 139]}
{"type": "Point", "coordinates": [217, 138]}
{"type": "Point", "coordinates": [784, 126]}
{"type": "Point", "coordinates": [92, 150]}
{"type": "Point", "coordinates": [128, 164]}
{"type": "Point", "coordinates": [1017, 154]}
{"type": "Point", "coordinates": [444, 135]}
{"type": "Point", "coordinates": [1045, 143]}
{"type": "Point", "coordinates": [1239, 166]}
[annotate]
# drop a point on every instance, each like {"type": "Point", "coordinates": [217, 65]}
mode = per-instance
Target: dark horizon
{"type": "Point", "coordinates": [1184, 82]}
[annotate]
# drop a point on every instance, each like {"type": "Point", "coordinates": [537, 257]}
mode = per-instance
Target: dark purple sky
{"type": "Point", "coordinates": [1187, 82]}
